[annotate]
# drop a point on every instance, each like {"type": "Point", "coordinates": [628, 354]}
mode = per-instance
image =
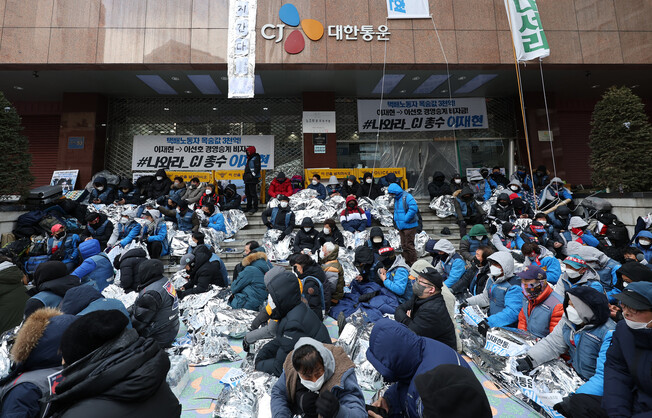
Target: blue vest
{"type": "Point", "coordinates": [102, 276]}
{"type": "Point", "coordinates": [584, 347]}
{"type": "Point", "coordinates": [538, 322]}
{"type": "Point", "coordinates": [99, 230]}
{"type": "Point", "coordinates": [49, 299]}
{"type": "Point", "coordinates": [497, 293]}
{"type": "Point", "coordinates": [606, 276]}
{"type": "Point", "coordinates": [474, 244]}
{"type": "Point", "coordinates": [165, 324]}
{"type": "Point", "coordinates": [124, 230]}
{"type": "Point", "coordinates": [509, 242]}
{"type": "Point", "coordinates": [467, 210]}
{"type": "Point", "coordinates": [448, 265]}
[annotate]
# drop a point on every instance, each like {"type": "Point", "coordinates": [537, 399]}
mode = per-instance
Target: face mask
{"type": "Point", "coordinates": [284, 204]}
{"type": "Point", "coordinates": [644, 242]}
{"type": "Point", "coordinates": [159, 178]}
{"type": "Point", "coordinates": [572, 274]}
{"type": "Point", "coordinates": [511, 234]}
{"type": "Point", "coordinates": [100, 188]}
{"type": "Point", "coordinates": [418, 288]}
{"type": "Point", "coordinates": [532, 291]}
{"type": "Point", "coordinates": [307, 229]}
{"type": "Point", "coordinates": [388, 262]}
{"type": "Point", "coordinates": [192, 243]}
{"type": "Point", "coordinates": [194, 186]}
{"type": "Point", "coordinates": [209, 191]}
{"type": "Point", "coordinates": [636, 325]}
{"type": "Point", "coordinates": [484, 175]}
{"type": "Point", "coordinates": [314, 182]}
{"type": "Point", "coordinates": [479, 238]}
{"type": "Point", "coordinates": [350, 183]}
{"type": "Point", "coordinates": [369, 181]}
{"type": "Point", "coordinates": [625, 284]}
{"type": "Point", "coordinates": [327, 231]}
{"type": "Point", "coordinates": [321, 254]}
{"type": "Point", "coordinates": [313, 386]}
{"type": "Point", "coordinates": [178, 210]}
{"type": "Point", "coordinates": [495, 271]}
{"type": "Point", "coordinates": [351, 205]}
{"type": "Point", "coordinates": [377, 240]}
{"type": "Point", "coordinates": [270, 302]}
{"type": "Point", "coordinates": [513, 188]}
{"type": "Point", "coordinates": [176, 183]}
{"type": "Point", "coordinates": [124, 221]}
{"type": "Point", "coordinates": [458, 181]}
{"type": "Point", "coordinates": [573, 316]}
{"type": "Point", "coordinates": [60, 235]}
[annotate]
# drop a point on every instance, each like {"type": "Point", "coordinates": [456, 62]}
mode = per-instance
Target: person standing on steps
{"type": "Point", "coordinates": [251, 177]}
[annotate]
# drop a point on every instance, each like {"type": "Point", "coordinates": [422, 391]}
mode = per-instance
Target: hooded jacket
{"type": "Point", "coordinates": [550, 193]}
{"type": "Point", "coordinates": [406, 209]}
{"type": "Point", "coordinates": [502, 213]}
{"type": "Point", "coordinates": [376, 231]}
{"type": "Point", "coordinates": [52, 282]}
{"type": "Point", "coordinates": [177, 191]}
{"type": "Point", "coordinates": [335, 237]}
{"type": "Point", "coordinates": [451, 267]}
{"type": "Point", "coordinates": [96, 267]}
{"type": "Point", "coordinates": [279, 218]}
{"type": "Point", "coordinates": [334, 274]}
{"type": "Point", "coordinates": [125, 234]}
{"type": "Point", "coordinates": [101, 231]}
{"type": "Point", "coordinates": [251, 172]}
{"type": "Point", "coordinates": [517, 183]}
{"type": "Point", "coordinates": [464, 209]}
{"type": "Point", "coordinates": [123, 378]}
{"type": "Point", "coordinates": [585, 237]}
{"type": "Point", "coordinates": [589, 278]}
{"type": "Point", "coordinates": [249, 291]}
{"type": "Point", "coordinates": [548, 262]}
{"type": "Point", "coordinates": [66, 249]}
{"type": "Point", "coordinates": [353, 218]}
{"type": "Point", "coordinates": [586, 345]}
{"type": "Point", "coordinates": [647, 249]}
{"type": "Point", "coordinates": [398, 279]}
{"type": "Point", "coordinates": [606, 267]}
{"type": "Point", "coordinates": [354, 189]}
{"type": "Point", "coordinates": [132, 196]}
{"type": "Point", "coordinates": [372, 191]}
{"type": "Point", "coordinates": [399, 355]}
{"type": "Point", "coordinates": [106, 196]}
{"type": "Point", "coordinates": [231, 199]}
{"type": "Point", "coordinates": [203, 273]}
{"type": "Point", "coordinates": [13, 296]}
{"type": "Point", "coordinates": [157, 233]}
{"type": "Point", "coordinates": [339, 378]}
{"type": "Point", "coordinates": [468, 244]}
{"type": "Point", "coordinates": [86, 299]}
{"type": "Point", "coordinates": [316, 291]}
{"type": "Point", "coordinates": [503, 295]}
{"type": "Point", "coordinates": [429, 318]}
{"type": "Point", "coordinates": [439, 186]}
{"type": "Point", "coordinates": [306, 240]}
{"type": "Point", "coordinates": [192, 195]}
{"type": "Point", "coordinates": [159, 188]}
{"type": "Point", "coordinates": [278, 187]}
{"type": "Point", "coordinates": [128, 263]}
{"type": "Point", "coordinates": [296, 320]}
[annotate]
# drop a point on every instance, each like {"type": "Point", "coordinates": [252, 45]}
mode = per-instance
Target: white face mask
{"type": "Point", "coordinates": [159, 178]}
{"type": "Point", "coordinates": [192, 243]}
{"type": "Point", "coordinates": [479, 238]}
{"type": "Point", "coordinates": [327, 231]}
{"type": "Point", "coordinates": [176, 183]}
{"type": "Point", "coordinates": [369, 180]}
{"type": "Point", "coordinates": [511, 234]}
{"type": "Point", "coordinates": [641, 241]}
{"type": "Point", "coordinates": [270, 302]}
{"type": "Point", "coordinates": [377, 240]}
{"type": "Point", "coordinates": [313, 386]}
{"type": "Point", "coordinates": [209, 191]}
{"type": "Point", "coordinates": [625, 284]}
{"type": "Point", "coordinates": [284, 204]}
{"type": "Point", "coordinates": [513, 188]}
{"type": "Point", "coordinates": [458, 181]}
{"type": "Point", "coordinates": [350, 183]}
{"type": "Point", "coordinates": [321, 254]}
{"type": "Point", "coordinates": [100, 188]}
{"type": "Point", "coordinates": [573, 316]}
{"type": "Point", "coordinates": [495, 271]}
{"type": "Point", "coordinates": [573, 274]}
{"type": "Point", "coordinates": [314, 182]}
{"type": "Point", "coordinates": [124, 221]}
{"type": "Point", "coordinates": [307, 229]}
{"type": "Point", "coordinates": [636, 325]}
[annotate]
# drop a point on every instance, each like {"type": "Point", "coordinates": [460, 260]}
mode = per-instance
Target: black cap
{"type": "Point", "coordinates": [433, 277]}
{"type": "Point", "coordinates": [282, 197]}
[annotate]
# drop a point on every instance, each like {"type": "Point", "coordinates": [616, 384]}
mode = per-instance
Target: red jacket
{"type": "Point", "coordinates": [277, 188]}
{"type": "Point", "coordinates": [557, 312]}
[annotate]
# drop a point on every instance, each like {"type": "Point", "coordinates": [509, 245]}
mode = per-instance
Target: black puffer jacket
{"type": "Point", "coordinates": [429, 318]}
{"type": "Point", "coordinates": [353, 189]}
{"type": "Point", "coordinates": [158, 188]}
{"type": "Point", "coordinates": [231, 199]}
{"type": "Point", "coordinates": [312, 291]}
{"type": "Point", "coordinates": [306, 240]}
{"type": "Point", "coordinates": [439, 186]}
{"type": "Point", "coordinates": [335, 237]}
{"type": "Point", "coordinates": [123, 378]}
{"type": "Point", "coordinates": [296, 320]}
{"type": "Point", "coordinates": [203, 274]}
{"type": "Point", "coordinates": [502, 213]}
{"type": "Point", "coordinates": [372, 191]}
{"type": "Point", "coordinates": [101, 231]}
{"type": "Point", "coordinates": [127, 264]}
{"type": "Point", "coordinates": [52, 276]}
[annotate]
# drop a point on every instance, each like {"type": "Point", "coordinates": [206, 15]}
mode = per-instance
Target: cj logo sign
{"type": "Point", "coordinates": [295, 42]}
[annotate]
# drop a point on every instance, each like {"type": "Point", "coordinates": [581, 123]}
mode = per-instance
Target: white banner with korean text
{"type": "Point", "coordinates": [408, 9]}
{"type": "Point", "coordinates": [241, 53]}
{"type": "Point", "coordinates": [527, 33]}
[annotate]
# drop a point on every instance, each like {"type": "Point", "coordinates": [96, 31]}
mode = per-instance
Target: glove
{"type": "Point", "coordinates": [463, 305]}
{"type": "Point", "coordinates": [483, 327]}
{"type": "Point", "coordinates": [268, 224]}
{"type": "Point", "coordinates": [327, 405]}
{"type": "Point", "coordinates": [524, 365]}
{"type": "Point", "coordinates": [260, 319]}
{"type": "Point", "coordinates": [245, 345]}
{"type": "Point", "coordinates": [204, 223]}
{"type": "Point", "coordinates": [563, 406]}
{"type": "Point", "coordinates": [281, 237]}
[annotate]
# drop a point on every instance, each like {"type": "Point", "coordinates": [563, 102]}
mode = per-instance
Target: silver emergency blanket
{"type": "Point", "coordinates": [234, 220]}
{"type": "Point", "coordinates": [179, 243]}
{"type": "Point", "coordinates": [6, 342]}
{"type": "Point", "coordinates": [523, 223]}
{"type": "Point", "coordinates": [353, 240]}
{"type": "Point", "coordinates": [179, 374]}
{"type": "Point", "coordinates": [392, 236]}
{"type": "Point", "coordinates": [275, 250]}
{"type": "Point", "coordinates": [486, 205]}
{"type": "Point", "coordinates": [249, 398]}
{"type": "Point", "coordinates": [331, 208]}
{"type": "Point", "coordinates": [444, 206]}
{"type": "Point", "coordinates": [212, 237]}
{"type": "Point", "coordinates": [114, 291]}
{"type": "Point", "coordinates": [381, 211]}
{"type": "Point", "coordinates": [179, 279]}
{"type": "Point", "coordinates": [420, 241]}
{"type": "Point", "coordinates": [355, 342]}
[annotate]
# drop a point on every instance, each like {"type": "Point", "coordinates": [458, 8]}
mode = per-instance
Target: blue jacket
{"type": "Point", "coordinates": [127, 233]}
{"type": "Point", "coordinates": [321, 190]}
{"type": "Point", "coordinates": [85, 299]}
{"type": "Point", "coordinates": [485, 187]}
{"type": "Point", "coordinates": [647, 252]}
{"type": "Point", "coordinates": [404, 217]}
{"type": "Point", "coordinates": [398, 280]}
{"type": "Point", "coordinates": [551, 266]}
{"type": "Point", "coordinates": [467, 209]}
{"type": "Point", "coordinates": [160, 234]}
{"type": "Point", "coordinates": [505, 299]}
{"type": "Point", "coordinates": [588, 354]}
{"type": "Point", "coordinates": [454, 267]}
{"type": "Point", "coordinates": [400, 355]}
{"type": "Point", "coordinates": [627, 373]}
{"type": "Point", "coordinates": [184, 222]}
{"type": "Point", "coordinates": [248, 289]}
{"type": "Point", "coordinates": [216, 221]}
{"type": "Point", "coordinates": [70, 244]}
{"type": "Point", "coordinates": [587, 238]}
{"type": "Point", "coordinates": [96, 267]}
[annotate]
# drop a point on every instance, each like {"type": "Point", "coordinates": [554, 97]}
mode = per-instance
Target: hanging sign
{"type": "Point", "coordinates": [241, 54]}
{"type": "Point", "coordinates": [408, 9]}
{"type": "Point", "coordinates": [411, 115]}
{"type": "Point", "coordinates": [318, 122]}
{"type": "Point", "coordinates": [527, 33]}
{"type": "Point", "coordinates": [199, 153]}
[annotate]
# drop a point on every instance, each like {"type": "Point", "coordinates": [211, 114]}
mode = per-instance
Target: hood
{"type": "Point", "coordinates": [367, 175]}
{"type": "Point", "coordinates": [273, 272]}
{"type": "Point", "coordinates": [251, 150]}
{"type": "Point", "coordinates": [445, 246]}
{"type": "Point", "coordinates": [506, 261]}
{"type": "Point", "coordinates": [503, 196]}
{"type": "Point", "coordinates": [126, 183]}
{"type": "Point", "coordinates": [248, 260]}
{"type": "Point", "coordinates": [478, 230]}
{"type": "Point", "coordinates": [645, 233]}
{"type": "Point", "coordinates": [398, 361]}
{"type": "Point", "coordinates": [391, 178]}
{"type": "Point", "coordinates": [134, 253]}
{"type": "Point", "coordinates": [281, 177]}
{"type": "Point", "coordinates": [562, 212]}
{"type": "Point", "coordinates": [78, 298]}
{"type": "Point", "coordinates": [149, 271]}
{"type": "Point", "coordinates": [285, 292]}
{"type": "Point", "coordinates": [326, 355]}
{"type": "Point", "coordinates": [307, 223]}
{"type": "Point", "coordinates": [332, 181]}
{"type": "Point", "coordinates": [155, 214]}
{"type": "Point", "coordinates": [333, 255]}
{"type": "Point", "coordinates": [130, 213]}
{"type": "Point", "coordinates": [516, 182]}
{"type": "Point", "coordinates": [466, 190]}
{"type": "Point", "coordinates": [556, 180]}
{"type": "Point", "coordinates": [202, 255]}
{"type": "Point", "coordinates": [351, 198]}
{"type": "Point", "coordinates": [438, 176]}
{"type": "Point", "coordinates": [399, 262]}
{"type": "Point", "coordinates": [49, 270]}
{"type": "Point", "coordinates": [231, 187]}
{"type": "Point", "coordinates": [363, 255]}
{"type": "Point", "coordinates": [160, 172]}
{"type": "Point", "coordinates": [590, 254]}
{"type": "Point", "coordinates": [100, 180]}
{"type": "Point", "coordinates": [38, 340]}
{"type": "Point", "coordinates": [590, 304]}
{"type": "Point", "coordinates": [637, 272]}
{"type": "Point", "coordinates": [11, 278]}
{"type": "Point", "coordinates": [577, 222]}
{"type": "Point", "coordinates": [475, 176]}
{"type": "Point", "coordinates": [376, 232]}
{"type": "Point", "coordinates": [89, 248]}
{"type": "Point", "coordinates": [395, 189]}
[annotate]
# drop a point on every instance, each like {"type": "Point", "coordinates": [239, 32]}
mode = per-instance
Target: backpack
{"type": "Point", "coordinates": [297, 183]}
{"type": "Point", "coordinates": [273, 217]}
{"type": "Point", "coordinates": [30, 218]}
{"type": "Point", "coordinates": [49, 221]}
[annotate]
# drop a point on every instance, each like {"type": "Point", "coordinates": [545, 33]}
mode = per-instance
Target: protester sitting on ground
{"type": "Point", "coordinates": [395, 274]}
{"type": "Point", "coordinates": [333, 188]}
{"type": "Point", "coordinates": [632, 272]}
{"type": "Point", "coordinates": [431, 252]}
{"type": "Point", "coordinates": [51, 282]}
{"type": "Point", "coordinates": [399, 355]}
{"type": "Point", "coordinates": [475, 277]}
{"type": "Point", "coordinates": [99, 227]}
{"type": "Point", "coordinates": [450, 390]}
{"type": "Point", "coordinates": [208, 197]}
{"type": "Point", "coordinates": [457, 183]}
{"type": "Point", "coordinates": [451, 265]}
{"type": "Point", "coordinates": [96, 269]}
{"type": "Point", "coordinates": [248, 290]}
{"type": "Point", "coordinates": [316, 291]}
{"type": "Point", "coordinates": [542, 308]}
{"type": "Point", "coordinates": [643, 241]}
{"type": "Point", "coordinates": [368, 188]}
{"type": "Point", "coordinates": [554, 191]}
{"type": "Point", "coordinates": [507, 238]}
{"type": "Point", "coordinates": [578, 273]}
{"type": "Point", "coordinates": [467, 210]}
{"type": "Point", "coordinates": [538, 255]}
{"type": "Point", "coordinates": [95, 350]}
{"type": "Point", "coordinates": [101, 193]}
{"type": "Point", "coordinates": [387, 179]}
{"type": "Point", "coordinates": [177, 189]}
{"type": "Point", "coordinates": [376, 240]}
{"type": "Point", "coordinates": [439, 186]}
{"type": "Point", "coordinates": [249, 247]}
{"type": "Point", "coordinates": [280, 185]}
{"type": "Point", "coordinates": [81, 300]}
{"type": "Point", "coordinates": [605, 267]}
{"type": "Point", "coordinates": [627, 381]}
{"type": "Point", "coordinates": [471, 242]}
{"type": "Point", "coordinates": [502, 294]}
{"type": "Point", "coordinates": [197, 243]}
{"type": "Point", "coordinates": [515, 187]}
{"type": "Point", "coordinates": [522, 177]}
{"type": "Point", "coordinates": [230, 199]}
{"type": "Point", "coordinates": [202, 273]}
{"type": "Point", "coordinates": [350, 186]}
{"type": "Point", "coordinates": [155, 234]}
{"type": "Point", "coordinates": [126, 230]}
{"type": "Point", "coordinates": [333, 270]}
{"type": "Point", "coordinates": [502, 211]}
{"type": "Point", "coordinates": [560, 219]}
{"type": "Point", "coordinates": [183, 217]}
{"type": "Point", "coordinates": [315, 184]}
{"type": "Point", "coordinates": [213, 219]}
{"type": "Point", "coordinates": [155, 313]}
{"type": "Point", "coordinates": [127, 194]}
{"type": "Point", "coordinates": [36, 355]}
{"type": "Point", "coordinates": [169, 210]}
{"type": "Point", "coordinates": [280, 218]}
{"type": "Point", "coordinates": [330, 233]}
{"type": "Point", "coordinates": [540, 178]}
{"type": "Point", "coordinates": [425, 312]}
{"type": "Point", "coordinates": [63, 246]}
{"type": "Point", "coordinates": [577, 231]}
{"type": "Point", "coordinates": [353, 218]}
{"type": "Point", "coordinates": [584, 333]}
{"type": "Point", "coordinates": [127, 263]}
{"type": "Point", "coordinates": [318, 380]}
{"type": "Point", "coordinates": [305, 240]}
{"type": "Point", "coordinates": [263, 327]}
{"type": "Point", "coordinates": [483, 183]}
{"type": "Point", "coordinates": [406, 219]}
{"type": "Point", "coordinates": [498, 177]}
{"type": "Point", "coordinates": [522, 208]}
{"type": "Point", "coordinates": [194, 191]}
{"type": "Point", "coordinates": [367, 265]}
{"type": "Point", "coordinates": [160, 186]}
{"type": "Point", "coordinates": [13, 295]}
{"type": "Point", "coordinates": [296, 320]}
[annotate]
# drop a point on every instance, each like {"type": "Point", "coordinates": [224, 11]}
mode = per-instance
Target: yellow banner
{"type": "Point", "coordinates": [203, 176]}
{"type": "Point", "coordinates": [326, 173]}
{"type": "Point", "coordinates": [227, 175]}
{"type": "Point", "coordinates": [380, 172]}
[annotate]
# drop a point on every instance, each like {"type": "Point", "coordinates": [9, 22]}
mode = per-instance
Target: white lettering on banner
{"type": "Point", "coordinates": [199, 153]}
{"type": "Point", "coordinates": [473, 315]}
{"type": "Point", "coordinates": [408, 9]}
{"type": "Point", "coordinates": [339, 32]}
{"type": "Point", "coordinates": [530, 41]}
{"type": "Point", "coordinates": [422, 114]}
{"type": "Point", "coordinates": [241, 53]}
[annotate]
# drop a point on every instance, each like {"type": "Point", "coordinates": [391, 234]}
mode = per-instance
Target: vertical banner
{"type": "Point", "coordinates": [408, 9]}
{"type": "Point", "coordinates": [527, 33]}
{"type": "Point", "coordinates": [241, 54]}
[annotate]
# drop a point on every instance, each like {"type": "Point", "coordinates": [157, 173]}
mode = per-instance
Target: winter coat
{"type": "Point", "coordinates": [52, 282]}
{"type": "Point", "coordinates": [316, 291]}
{"type": "Point", "coordinates": [177, 192]}
{"type": "Point", "coordinates": [128, 266]}
{"type": "Point", "coordinates": [159, 188]}
{"type": "Point", "coordinates": [627, 375]}
{"type": "Point", "coordinates": [230, 200]}
{"type": "Point", "coordinates": [502, 213]}
{"type": "Point", "coordinates": [13, 296]}
{"type": "Point", "coordinates": [469, 245]}
{"type": "Point", "coordinates": [353, 219]}
{"type": "Point", "coordinates": [96, 269]}
{"type": "Point", "coordinates": [540, 316]}
{"type": "Point", "coordinates": [503, 243]}
{"type": "Point", "coordinates": [101, 231]}
{"type": "Point", "coordinates": [347, 190]}
{"type": "Point", "coordinates": [335, 237]}
{"type": "Point", "coordinates": [206, 199]}
{"type": "Point", "coordinates": [405, 208]}
{"type": "Point", "coordinates": [549, 264]}
{"type": "Point", "coordinates": [296, 320]}
{"type": "Point", "coordinates": [398, 279]}
{"type": "Point", "coordinates": [158, 234]}
{"type": "Point", "coordinates": [249, 291]}
{"type": "Point", "coordinates": [132, 196]}
{"type": "Point", "coordinates": [123, 378]}
{"type": "Point", "coordinates": [321, 190]}
{"type": "Point", "coordinates": [399, 355]}
{"type": "Point", "coordinates": [184, 220]}
{"type": "Point", "coordinates": [251, 172]}
{"type": "Point", "coordinates": [429, 318]}
{"type": "Point", "coordinates": [279, 218]}
{"type": "Point", "coordinates": [106, 196]}
{"type": "Point", "coordinates": [647, 250]}
{"type": "Point", "coordinates": [464, 209]}
{"type": "Point", "coordinates": [453, 267]}
{"type": "Point", "coordinates": [589, 278]}
{"type": "Point", "coordinates": [339, 378]}
{"type": "Point", "coordinates": [334, 274]}
{"type": "Point", "coordinates": [605, 267]}
{"type": "Point", "coordinates": [306, 240]}
{"type": "Point", "coordinates": [277, 187]}
{"type": "Point", "coordinates": [192, 195]}
{"type": "Point", "coordinates": [474, 280]}
{"type": "Point", "coordinates": [124, 234]}
{"type": "Point", "coordinates": [86, 299]}
{"type": "Point", "coordinates": [216, 222]}
{"type": "Point", "coordinates": [155, 312]}
{"type": "Point", "coordinates": [439, 186]}
{"type": "Point", "coordinates": [69, 254]}
{"type": "Point", "coordinates": [203, 273]}
{"type": "Point", "coordinates": [372, 191]}
{"type": "Point", "coordinates": [522, 179]}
